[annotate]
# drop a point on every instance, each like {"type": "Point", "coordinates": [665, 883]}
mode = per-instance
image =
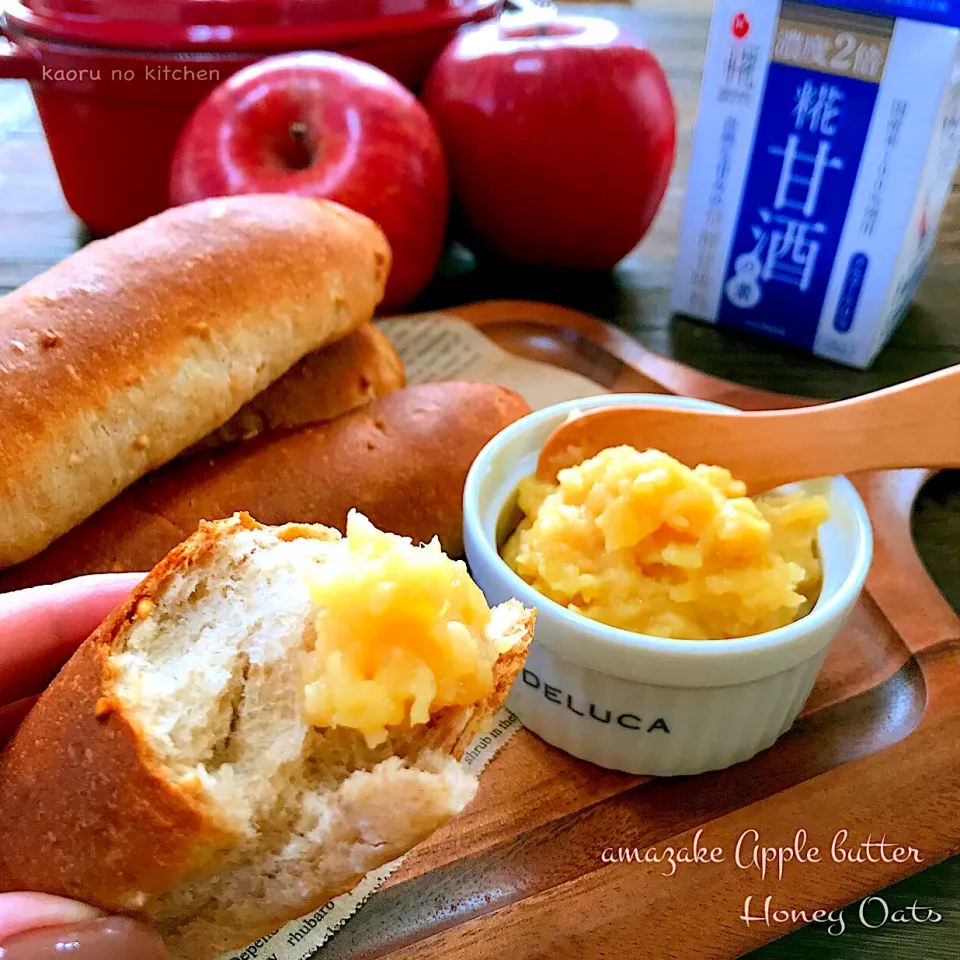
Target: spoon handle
{"type": "Point", "coordinates": [914, 424]}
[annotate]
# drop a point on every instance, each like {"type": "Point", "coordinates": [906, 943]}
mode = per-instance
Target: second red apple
{"type": "Point", "coordinates": [560, 137]}
{"type": "Point", "coordinates": [323, 125]}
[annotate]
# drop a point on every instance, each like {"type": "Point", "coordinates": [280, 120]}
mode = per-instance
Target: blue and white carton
{"type": "Point", "coordinates": [825, 148]}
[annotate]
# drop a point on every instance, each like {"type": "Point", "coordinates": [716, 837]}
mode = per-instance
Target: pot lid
{"type": "Point", "coordinates": [200, 25]}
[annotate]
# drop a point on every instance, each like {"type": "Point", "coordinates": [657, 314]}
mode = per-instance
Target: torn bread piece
{"type": "Point", "coordinates": [172, 770]}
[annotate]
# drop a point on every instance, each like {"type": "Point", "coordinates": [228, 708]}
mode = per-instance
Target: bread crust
{"type": "Point", "coordinates": [137, 346]}
{"type": "Point", "coordinates": [86, 811]}
{"type": "Point", "coordinates": [402, 461]}
{"type": "Point", "coordinates": [324, 385]}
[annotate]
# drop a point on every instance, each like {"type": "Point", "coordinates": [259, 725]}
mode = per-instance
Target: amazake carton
{"type": "Point", "coordinates": [826, 143]}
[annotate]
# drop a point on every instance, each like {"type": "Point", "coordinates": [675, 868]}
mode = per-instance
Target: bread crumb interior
{"type": "Point", "coordinates": [214, 676]}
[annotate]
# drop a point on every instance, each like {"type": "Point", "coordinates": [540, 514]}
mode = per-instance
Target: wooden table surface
{"type": "Point", "coordinates": [36, 230]}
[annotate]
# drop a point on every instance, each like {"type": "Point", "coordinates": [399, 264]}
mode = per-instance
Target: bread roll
{"type": "Point", "coordinates": [325, 384]}
{"type": "Point", "coordinates": [402, 461]}
{"type": "Point", "coordinates": [137, 346]}
{"type": "Point", "coordinates": [168, 772]}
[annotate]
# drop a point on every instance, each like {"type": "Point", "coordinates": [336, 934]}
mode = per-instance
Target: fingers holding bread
{"type": "Point", "coordinates": [402, 460]}
{"type": "Point", "coordinates": [180, 758]}
{"type": "Point", "coordinates": [137, 346]}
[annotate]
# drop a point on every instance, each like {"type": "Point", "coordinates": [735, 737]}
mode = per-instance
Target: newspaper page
{"type": "Point", "coordinates": [433, 347]}
{"type": "Point", "coordinates": [437, 347]}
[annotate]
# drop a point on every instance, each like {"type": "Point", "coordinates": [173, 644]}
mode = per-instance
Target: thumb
{"type": "Point", "coordinates": [28, 911]}
{"type": "Point", "coordinates": [35, 926]}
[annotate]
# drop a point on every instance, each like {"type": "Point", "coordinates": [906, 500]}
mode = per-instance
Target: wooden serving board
{"type": "Point", "coordinates": [521, 873]}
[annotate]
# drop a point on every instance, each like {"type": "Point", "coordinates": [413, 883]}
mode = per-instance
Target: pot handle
{"type": "Point", "coordinates": [16, 63]}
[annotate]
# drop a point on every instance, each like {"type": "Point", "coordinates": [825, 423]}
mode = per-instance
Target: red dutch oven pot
{"type": "Point", "coordinates": [115, 81]}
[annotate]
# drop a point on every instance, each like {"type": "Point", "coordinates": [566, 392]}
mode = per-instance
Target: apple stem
{"type": "Point", "coordinates": [299, 154]}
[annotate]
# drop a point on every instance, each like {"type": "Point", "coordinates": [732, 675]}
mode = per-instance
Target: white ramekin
{"type": "Point", "coordinates": [644, 704]}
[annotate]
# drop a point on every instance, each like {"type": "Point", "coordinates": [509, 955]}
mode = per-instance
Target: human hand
{"type": "Point", "coordinates": [35, 926]}
{"type": "Point", "coordinates": [39, 630]}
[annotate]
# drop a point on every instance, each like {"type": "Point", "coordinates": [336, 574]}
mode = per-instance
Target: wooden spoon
{"type": "Point", "coordinates": [915, 424]}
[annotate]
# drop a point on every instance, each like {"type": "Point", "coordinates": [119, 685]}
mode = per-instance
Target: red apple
{"type": "Point", "coordinates": [323, 125]}
{"type": "Point", "coordinates": [560, 137]}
